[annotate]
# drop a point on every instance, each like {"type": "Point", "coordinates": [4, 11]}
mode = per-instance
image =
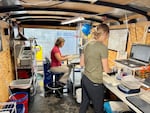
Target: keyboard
{"type": "Point", "coordinates": [130, 63]}
{"type": "Point", "coordinates": [141, 104]}
{"type": "Point", "coordinates": [76, 60]}
{"type": "Point", "coordinates": [71, 57]}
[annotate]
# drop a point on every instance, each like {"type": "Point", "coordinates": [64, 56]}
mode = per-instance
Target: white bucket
{"type": "Point", "coordinates": [78, 95]}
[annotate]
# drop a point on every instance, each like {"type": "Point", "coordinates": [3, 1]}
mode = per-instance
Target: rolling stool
{"type": "Point", "coordinates": [53, 86]}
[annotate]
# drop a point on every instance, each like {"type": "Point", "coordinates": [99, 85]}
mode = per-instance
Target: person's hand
{"type": "Point", "coordinates": [69, 57]}
{"type": "Point", "coordinates": [113, 71]}
{"type": "Point", "coordinates": [66, 57]}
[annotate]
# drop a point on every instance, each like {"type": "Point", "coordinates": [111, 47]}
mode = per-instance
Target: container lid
{"type": "Point", "coordinates": [21, 83]}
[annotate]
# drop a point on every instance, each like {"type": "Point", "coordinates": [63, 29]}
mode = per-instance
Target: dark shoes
{"type": "Point", "coordinates": [59, 95]}
{"type": "Point", "coordinates": [60, 84]}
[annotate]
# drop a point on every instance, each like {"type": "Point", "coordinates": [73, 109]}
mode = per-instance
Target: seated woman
{"type": "Point", "coordinates": [56, 59]}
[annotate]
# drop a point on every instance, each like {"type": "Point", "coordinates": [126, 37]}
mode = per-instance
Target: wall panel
{"type": "Point", "coordinates": [6, 69]}
{"type": "Point", "coordinates": [136, 35]}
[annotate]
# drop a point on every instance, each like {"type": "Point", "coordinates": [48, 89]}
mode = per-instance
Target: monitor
{"type": "Point", "coordinates": [140, 52]}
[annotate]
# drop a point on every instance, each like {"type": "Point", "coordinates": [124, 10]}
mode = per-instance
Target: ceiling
{"type": "Point", "coordinates": [53, 12]}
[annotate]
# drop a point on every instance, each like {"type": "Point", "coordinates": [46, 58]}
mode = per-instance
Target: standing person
{"type": "Point", "coordinates": [95, 60]}
{"type": "Point", "coordinates": [56, 59]}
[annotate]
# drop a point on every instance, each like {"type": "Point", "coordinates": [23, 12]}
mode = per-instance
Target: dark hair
{"type": "Point", "coordinates": [103, 27]}
{"type": "Point", "coordinates": [59, 41]}
{"type": "Point", "coordinates": [100, 29]}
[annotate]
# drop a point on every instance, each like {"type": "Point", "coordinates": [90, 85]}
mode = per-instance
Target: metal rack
{"type": "Point", "coordinates": [24, 59]}
{"type": "Point", "coordinates": [8, 107]}
{"type": "Point", "coordinates": [20, 62]}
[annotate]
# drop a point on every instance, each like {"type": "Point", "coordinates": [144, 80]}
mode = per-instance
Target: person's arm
{"type": "Point", "coordinates": [106, 65]}
{"type": "Point", "coordinates": [60, 58]}
{"type": "Point", "coordinates": [82, 60]}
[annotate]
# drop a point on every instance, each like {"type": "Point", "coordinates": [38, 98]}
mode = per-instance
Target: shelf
{"type": "Point", "coordinates": [24, 67]}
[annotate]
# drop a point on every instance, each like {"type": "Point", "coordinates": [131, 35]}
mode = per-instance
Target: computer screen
{"type": "Point", "coordinates": [140, 52]}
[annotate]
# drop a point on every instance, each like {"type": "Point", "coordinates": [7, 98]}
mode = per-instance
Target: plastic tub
{"type": "Point", "coordinates": [115, 107]}
{"type": "Point", "coordinates": [21, 83]}
{"type": "Point", "coordinates": [20, 98]}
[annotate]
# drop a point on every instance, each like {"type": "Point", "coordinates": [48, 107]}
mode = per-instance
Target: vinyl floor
{"type": "Point", "coordinates": [51, 104]}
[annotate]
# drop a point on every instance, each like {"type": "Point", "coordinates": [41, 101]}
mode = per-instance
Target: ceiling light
{"type": "Point", "coordinates": [72, 20]}
{"type": "Point", "coordinates": [92, 1]}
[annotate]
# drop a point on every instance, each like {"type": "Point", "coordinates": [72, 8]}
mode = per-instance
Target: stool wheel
{"type": "Point", "coordinates": [55, 90]}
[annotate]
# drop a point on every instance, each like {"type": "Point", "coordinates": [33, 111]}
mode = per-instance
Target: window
{"type": "Point", "coordinates": [47, 37]}
{"type": "Point", "coordinates": [15, 31]}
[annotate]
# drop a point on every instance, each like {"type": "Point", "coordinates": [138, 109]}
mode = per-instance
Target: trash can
{"type": "Point", "coordinates": [20, 98]}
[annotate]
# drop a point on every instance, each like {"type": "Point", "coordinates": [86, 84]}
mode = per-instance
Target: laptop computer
{"type": "Point", "coordinates": [139, 56]}
{"type": "Point", "coordinates": [141, 104]}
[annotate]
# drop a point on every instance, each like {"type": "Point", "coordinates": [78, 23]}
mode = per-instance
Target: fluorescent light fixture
{"type": "Point", "coordinates": [72, 20]}
{"type": "Point", "coordinates": [92, 1]}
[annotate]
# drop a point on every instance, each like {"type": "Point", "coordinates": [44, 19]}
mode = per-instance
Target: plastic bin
{"type": "Point", "coordinates": [20, 108]}
{"type": "Point", "coordinates": [20, 98]}
{"type": "Point", "coordinates": [24, 73]}
{"type": "Point", "coordinates": [115, 107]}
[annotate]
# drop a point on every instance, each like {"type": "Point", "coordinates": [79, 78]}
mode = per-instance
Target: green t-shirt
{"type": "Point", "coordinates": [93, 53]}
